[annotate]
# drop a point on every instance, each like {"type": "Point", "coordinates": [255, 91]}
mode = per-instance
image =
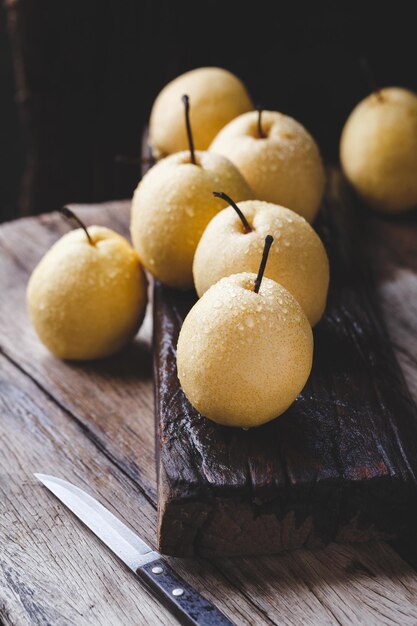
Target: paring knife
{"type": "Point", "coordinates": [183, 601]}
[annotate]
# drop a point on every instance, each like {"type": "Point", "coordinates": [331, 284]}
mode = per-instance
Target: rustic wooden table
{"type": "Point", "coordinates": [93, 425]}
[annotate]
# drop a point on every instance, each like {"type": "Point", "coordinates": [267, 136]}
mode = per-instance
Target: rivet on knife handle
{"type": "Point", "coordinates": [185, 602]}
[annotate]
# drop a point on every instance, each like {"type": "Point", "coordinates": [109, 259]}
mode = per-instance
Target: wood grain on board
{"type": "Point", "coordinates": [93, 424]}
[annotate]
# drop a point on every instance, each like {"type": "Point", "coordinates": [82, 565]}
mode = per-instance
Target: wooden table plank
{"type": "Point", "coordinates": [93, 424]}
{"type": "Point", "coordinates": [394, 260]}
{"type": "Point", "coordinates": [54, 570]}
{"type": "Point", "coordinates": [355, 584]}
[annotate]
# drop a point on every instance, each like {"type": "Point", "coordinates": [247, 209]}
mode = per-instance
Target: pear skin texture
{"type": "Point", "coordinates": [378, 150]}
{"type": "Point", "coordinates": [243, 357]}
{"type": "Point", "coordinates": [171, 207]}
{"type": "Point", "coordinates": [297, 258]}
{"type": "Point", "coordinates": [216, 97]}
{"type": "Point", "coordinates": [87, 301]}
{"type": "Point", "coordinates": [284, 168]}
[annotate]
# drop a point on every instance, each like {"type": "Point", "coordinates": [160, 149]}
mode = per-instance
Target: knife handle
{"type": "Point", "coordinates": [183, 600]}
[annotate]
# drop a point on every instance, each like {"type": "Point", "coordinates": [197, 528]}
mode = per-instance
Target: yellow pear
{"type": "Point", "coordinates": [244, 356]}
{"type": "Point", "coordinates": [171, 207]}
{"type": "Point", "coordinates": [278, 157]}
{"type": "Point", "coordinates": [87, 296]}
{"type": "Point", "coordinates": [378, 150]}
{"type": "Point", "coordinates": [298, 260]}
{"type": "Point", "coordinates": [217, 96]}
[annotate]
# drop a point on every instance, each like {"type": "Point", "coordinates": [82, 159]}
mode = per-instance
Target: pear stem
{"type": "Point", "coordinates": [370, 79]}
{"type": "Point", "coordinates": [186, 101]}
{"type": "Point", "coordinates": [66, 212]}
{"type": "Point", "coordinates": [261, 134]}
{"type": "Point", "coordinates": [268, 243]}
{"type": "Point", "coordinates": [228, 199]}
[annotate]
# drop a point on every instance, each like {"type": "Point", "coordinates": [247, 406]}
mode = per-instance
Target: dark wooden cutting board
{"type": "Point", "coordinates": [341, 463]}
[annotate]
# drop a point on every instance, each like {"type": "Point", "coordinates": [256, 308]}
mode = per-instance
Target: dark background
{"type": "Point", "coordinates": [78, 78]}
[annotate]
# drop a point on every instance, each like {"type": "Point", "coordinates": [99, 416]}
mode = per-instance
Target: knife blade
{"type": "Point", "coordinates": [184, 601]}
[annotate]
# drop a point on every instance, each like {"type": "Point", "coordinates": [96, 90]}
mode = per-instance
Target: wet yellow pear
{"type": "Point", "coordinates": [378, 149]}
{"type": "Point", "coordinates": [173, 204]}
{"type": "Point", "coordinates": [217, 96]}
{"type": "Point", "coordinates": [278, 157]}
{"type": "Point", "coordinates": [88, 294]}
{"type": "Point", "coordinates": [243, 356]}
{"type": "Point", "coordinates": [233, 243]}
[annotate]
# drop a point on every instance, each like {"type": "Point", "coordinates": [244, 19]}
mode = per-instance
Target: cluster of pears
{"type": "Point", "coordinates": [262, 155]}
{"type": "Point", "coordinates": [245, 349]}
